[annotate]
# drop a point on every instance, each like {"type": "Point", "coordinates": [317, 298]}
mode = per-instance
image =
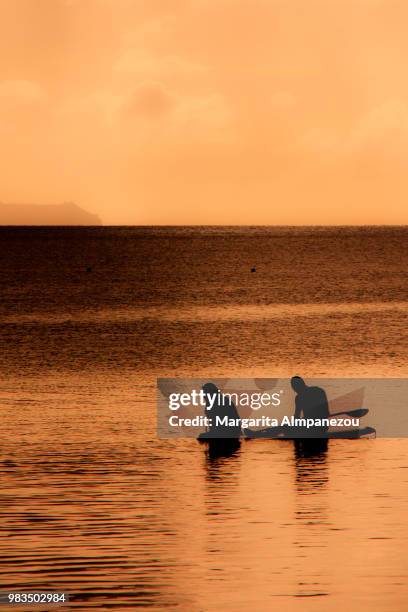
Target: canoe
{"type": "Point", "coordinates": [276, 433]}
{"type": "Point", "coordinates": [273, 434]}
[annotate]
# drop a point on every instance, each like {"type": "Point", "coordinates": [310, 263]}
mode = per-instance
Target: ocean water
{"type": "Point", "coordinates": [91, 502]}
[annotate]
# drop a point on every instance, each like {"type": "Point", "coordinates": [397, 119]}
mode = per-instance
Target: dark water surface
{"type": "Point", "coordinates": [93, 503]}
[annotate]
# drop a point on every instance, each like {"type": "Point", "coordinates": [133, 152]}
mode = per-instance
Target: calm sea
{"type": "Point", "coordinates": [91, 502]}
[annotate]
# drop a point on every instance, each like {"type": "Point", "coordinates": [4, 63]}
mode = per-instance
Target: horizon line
{"type": "Point", "coordinates": [212, 225]}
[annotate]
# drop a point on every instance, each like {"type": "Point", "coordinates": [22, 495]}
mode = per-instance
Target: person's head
{"type": "Point", "coordinates": [210, 390]}
{"type": "Point", "coordinates": [298, 384]}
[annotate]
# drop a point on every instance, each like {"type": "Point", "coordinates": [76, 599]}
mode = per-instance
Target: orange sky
{"type": "Point", "coordinates": [207, 111]}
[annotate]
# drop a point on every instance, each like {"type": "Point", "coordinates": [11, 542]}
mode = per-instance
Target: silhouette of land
{"type": "Point", "coordinates": [67, 213]}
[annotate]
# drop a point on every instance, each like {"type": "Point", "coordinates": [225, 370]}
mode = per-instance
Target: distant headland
{"type": "Point", "coordinates": [67, 213]}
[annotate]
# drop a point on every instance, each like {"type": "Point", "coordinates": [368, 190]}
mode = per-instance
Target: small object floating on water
{"type": "Point", "coordinates": [89, 269]}
{"type": "Point", "coordinates": [253, 269]}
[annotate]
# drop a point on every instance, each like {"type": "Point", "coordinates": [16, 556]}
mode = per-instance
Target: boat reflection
{"type": "Point", "coordinates": [311, 516]}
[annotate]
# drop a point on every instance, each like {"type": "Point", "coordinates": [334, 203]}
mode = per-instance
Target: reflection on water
{"type": "Point", "coordinates": [193, 313]}
{"type": "Point", "coordinates": [216, 449]}
{"type": "Point", "coordinates": [120, 519]}
{"type": "Point", "coordinates": [311, 514]}
{"type": "Point", "coordinates": [91, 502]}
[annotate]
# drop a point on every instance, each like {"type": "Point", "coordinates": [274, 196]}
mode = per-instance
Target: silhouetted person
{"type": "Point", "coordinates": [310, 403]}
{"type": "Point", "coordinates": [223, 408]}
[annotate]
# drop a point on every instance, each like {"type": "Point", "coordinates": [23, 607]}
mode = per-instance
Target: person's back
{"type": "Point", "coordinates": [222, 409]}
{"type": "Point", "coordinates": [311, 403]}
{"type": "Point", "coordinates": [225, 409]}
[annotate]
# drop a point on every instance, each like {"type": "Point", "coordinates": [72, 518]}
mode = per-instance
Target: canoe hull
{"type": "Point", "coordinates": [275, 434]}
{"type": "Point", "coordinates": [351, 434]}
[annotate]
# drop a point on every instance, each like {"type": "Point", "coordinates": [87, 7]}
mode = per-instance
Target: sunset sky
{"type": "Point", "coordinates": [207, 111]}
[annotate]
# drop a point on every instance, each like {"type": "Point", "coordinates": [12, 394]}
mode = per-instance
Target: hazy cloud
{"type": "Point", "coordinates": [256, 111]}
{"type": "Point", "coordinates": [384, 129]}
{"type": "Point", "coordinates": [150, 100]}
{"type": "Point", "coordinates": [141, 65]}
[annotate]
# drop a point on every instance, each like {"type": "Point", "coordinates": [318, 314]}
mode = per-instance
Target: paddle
{"type": "Point", "coordinates": [360, 412]}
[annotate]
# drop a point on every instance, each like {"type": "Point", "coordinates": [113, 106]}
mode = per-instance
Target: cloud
{"type": "Point", "coordinates": [205, 116]}
{"type": "Point", "coordinates": [383, 130]}
{"type": "Point", "coordinates": [151, 100]}
{"type": "Point", "coordinates": [167, 124]}
{"type": "Point", "coordinates": [381, 135]}
{"type": "Point", "coordinates": [100, 105]}
{"type": "Point", "coordinates": [150, 109]}
{"type": "Point", "coordinates": [141, 65]}
{"type": "Point", "coordinates": [243, 102]}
